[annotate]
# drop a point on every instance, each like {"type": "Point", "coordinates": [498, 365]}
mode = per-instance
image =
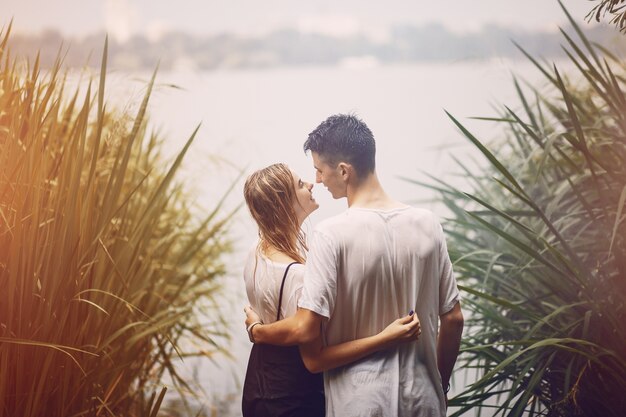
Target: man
{"type": "Point", "coordinates": [366, 267]}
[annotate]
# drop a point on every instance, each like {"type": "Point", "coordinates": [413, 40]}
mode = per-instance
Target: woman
{"type": "Point", "coordinates": [277, 381]}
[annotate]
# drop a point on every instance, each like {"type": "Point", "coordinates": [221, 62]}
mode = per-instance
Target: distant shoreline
{"type": "Point", "coordinates": [290, 48]}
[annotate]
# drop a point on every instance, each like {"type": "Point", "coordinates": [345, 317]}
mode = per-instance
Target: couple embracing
{"type": "Point", "coordinates": [370, 299]}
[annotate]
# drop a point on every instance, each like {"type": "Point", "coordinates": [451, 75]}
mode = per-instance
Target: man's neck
{"type": "Point", "coordinates": [369, 193]}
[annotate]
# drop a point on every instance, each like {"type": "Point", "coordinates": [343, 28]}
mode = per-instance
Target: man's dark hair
{"type": "Point", "coordinates": [344, 137]}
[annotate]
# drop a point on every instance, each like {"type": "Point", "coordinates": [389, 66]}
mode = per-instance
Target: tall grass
{"type": "Point", "coordinates": [539, 245]}
{"type": "Point", "coordinates": [616, 9]}
{"type": "Point", "coordinates": [102, 263]}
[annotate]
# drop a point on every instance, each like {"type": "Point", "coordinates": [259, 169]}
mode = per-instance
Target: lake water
{"type": "Point", "coordinates": [253, 118]}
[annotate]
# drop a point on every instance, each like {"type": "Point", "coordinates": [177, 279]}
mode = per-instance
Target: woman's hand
{"type": "Point", "coordinates": [405, 329]}
{"type": "Point", "coordinates": [251, 315]}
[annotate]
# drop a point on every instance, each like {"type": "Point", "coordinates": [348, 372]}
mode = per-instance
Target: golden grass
{"type": "Point", "coordinates": [102, 264]}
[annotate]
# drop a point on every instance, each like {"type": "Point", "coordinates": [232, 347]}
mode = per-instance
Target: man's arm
{"type": "Point", "coordinates": [449, 342]}
{"type": "Point", "coordinates": [303, 327]}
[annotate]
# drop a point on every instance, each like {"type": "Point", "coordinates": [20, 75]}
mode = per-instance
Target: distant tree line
{"type": "Point", "coordinates": [176, 50]}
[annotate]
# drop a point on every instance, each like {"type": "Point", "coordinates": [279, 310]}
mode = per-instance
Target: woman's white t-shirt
{"type": "Point", "coordinates": [263, 278]}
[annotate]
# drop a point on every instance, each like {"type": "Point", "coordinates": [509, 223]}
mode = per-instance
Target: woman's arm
{"type": "Point", "coordinates": [319, 358]}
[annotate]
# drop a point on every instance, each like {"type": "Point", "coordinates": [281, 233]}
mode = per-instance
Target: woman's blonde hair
{"type": "Point", "coordinates": [269, 194]}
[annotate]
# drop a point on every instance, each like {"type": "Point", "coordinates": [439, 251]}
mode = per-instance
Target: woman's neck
{"type": "Point", "coordinates": [274, 254]}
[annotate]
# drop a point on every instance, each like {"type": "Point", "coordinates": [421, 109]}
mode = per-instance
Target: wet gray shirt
{"type": "Point", "coordinates": [366, 268]}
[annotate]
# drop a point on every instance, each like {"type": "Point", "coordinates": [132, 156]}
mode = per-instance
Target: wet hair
{"type": "Point", "coordinates": [344, 137]}
{"type": "Point", "coordinates": [269, 194]}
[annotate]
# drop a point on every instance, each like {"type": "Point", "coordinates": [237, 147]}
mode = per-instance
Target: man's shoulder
{"type": "Point", "coordinates": [413, 214]}
{"type": "Point", "coordinates": [332, 220]}
{"type": "Point", "coordinates": [349, 219]}
{"type": "Point", "coordinates": [328, 227]}
{"type": "Point", "coordinates": [422, 214]}
{"type": "Point", "coordinates": [426, 221]}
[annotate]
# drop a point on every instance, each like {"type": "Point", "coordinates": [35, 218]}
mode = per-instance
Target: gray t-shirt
{"type": "Point", "coordinates": [366, 268]}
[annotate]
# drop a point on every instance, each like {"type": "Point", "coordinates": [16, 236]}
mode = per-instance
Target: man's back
{"type": "Point", "coordinates": [367, 267]}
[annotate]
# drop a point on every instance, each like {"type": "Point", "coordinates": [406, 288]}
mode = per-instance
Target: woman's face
{"type": "Point", "coordinates": [305, 204]}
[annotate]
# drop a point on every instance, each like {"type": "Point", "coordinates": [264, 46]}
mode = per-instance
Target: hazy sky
{"type": "Point", "coordinates": [122, 18]}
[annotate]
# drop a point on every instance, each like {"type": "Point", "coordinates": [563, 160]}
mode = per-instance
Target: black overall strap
{"type": "Point", "coordinates": [282, 285]}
